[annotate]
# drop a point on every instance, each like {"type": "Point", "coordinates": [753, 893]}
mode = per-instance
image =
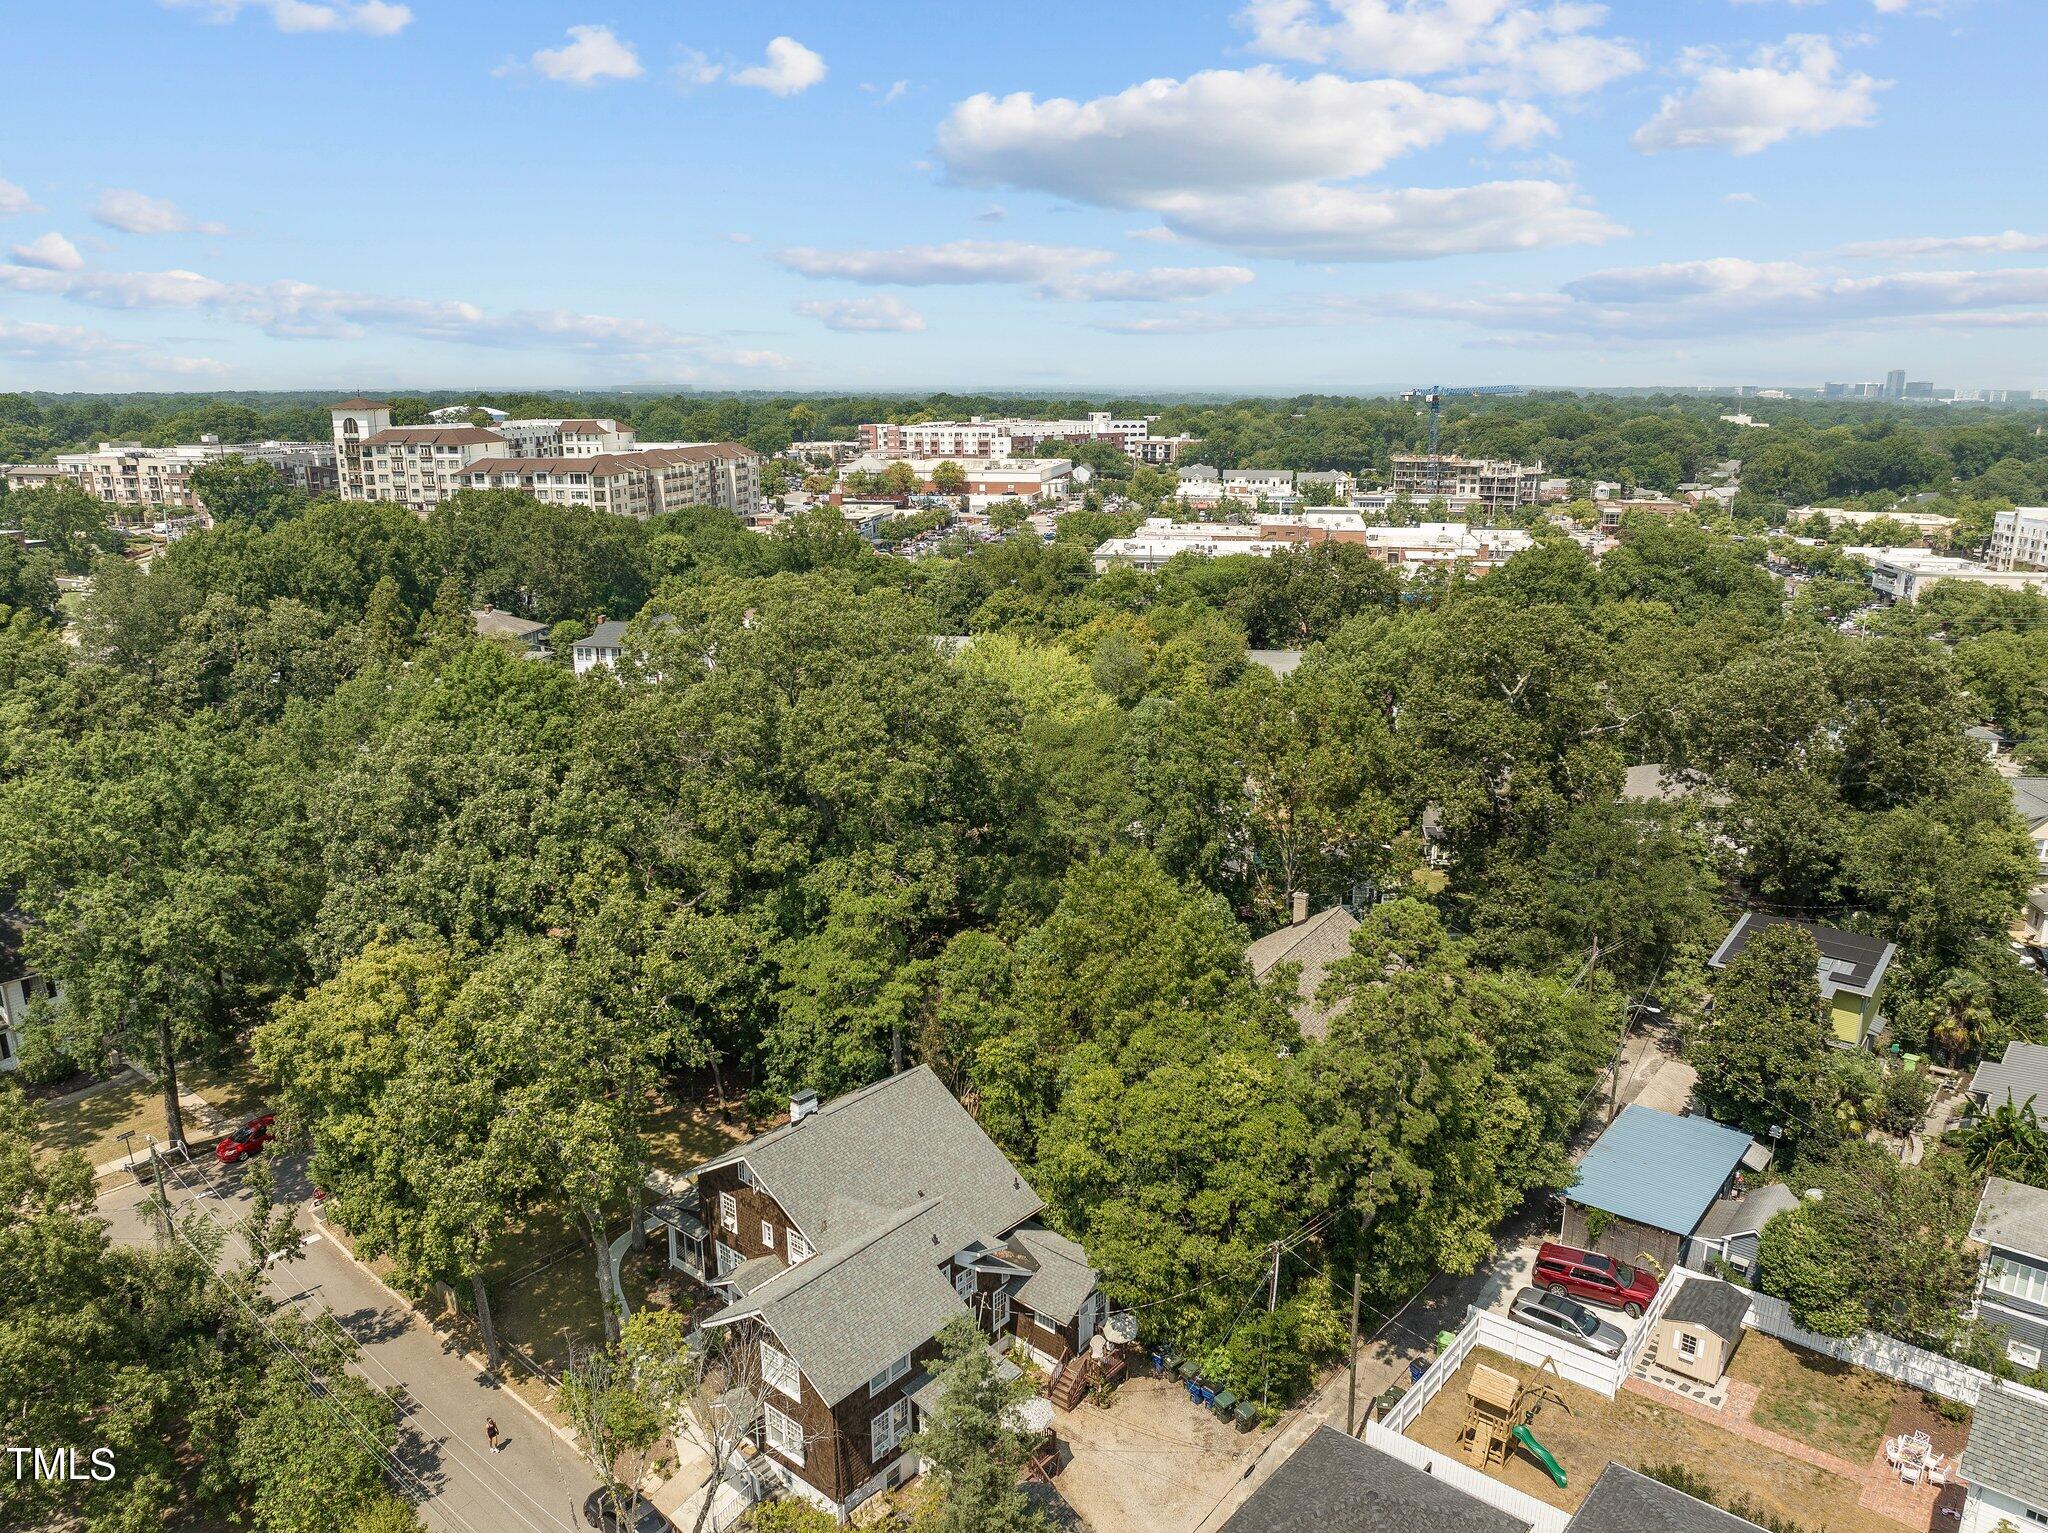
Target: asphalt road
{"type": "Point", "coordinates": [537, 1484]}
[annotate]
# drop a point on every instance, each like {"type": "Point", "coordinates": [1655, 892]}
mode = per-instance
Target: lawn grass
{"type": "Point", "coordinates": [1823, 1403]}
{"type": "Point", "coordinates": [93, 1126]}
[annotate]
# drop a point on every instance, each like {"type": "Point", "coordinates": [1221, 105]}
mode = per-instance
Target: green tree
{"type": "Point", "coordinates": [970, 1444]}
{"type": "Point", "coordinates": [1762, 1052]}
{"type": "Point", "coordinates": [251, 492]}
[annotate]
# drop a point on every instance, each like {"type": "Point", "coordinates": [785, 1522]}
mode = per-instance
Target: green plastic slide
{"type": "Point", "coordinates": [1540, 1453]}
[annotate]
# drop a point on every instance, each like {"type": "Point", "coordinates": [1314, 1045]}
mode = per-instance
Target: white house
{"type": "Point", "coordinates": [2006, 1461]}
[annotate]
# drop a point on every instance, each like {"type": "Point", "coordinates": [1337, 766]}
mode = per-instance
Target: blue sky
{"type": "Point", "coordinates": [1265, 194]}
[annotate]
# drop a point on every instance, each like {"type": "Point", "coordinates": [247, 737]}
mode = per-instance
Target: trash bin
{"type": "Point", "coordinates": [1247, 1418]}
{"type": "Point", "coordinates": [1226, 1402]}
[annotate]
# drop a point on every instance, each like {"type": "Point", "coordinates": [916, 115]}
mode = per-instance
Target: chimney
{"type": "Point", "coordinates": [1300, 906]}
{"type": "Point", "coordinates": [802, 1104]}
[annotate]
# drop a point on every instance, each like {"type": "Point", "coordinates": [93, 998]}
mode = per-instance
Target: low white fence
{"type": "Point", "coordinates": [1424, 1389]}
{"type": "Point", "coordinates": [1518, 1504]}
{"type": "Point", "coordinates": [1895, 1359]}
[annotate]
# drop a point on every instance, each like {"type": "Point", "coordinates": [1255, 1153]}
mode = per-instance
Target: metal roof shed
{"type": "Point", "coordinates": [1659, 1170]}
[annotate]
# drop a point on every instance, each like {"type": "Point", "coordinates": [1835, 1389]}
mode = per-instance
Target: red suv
{"type": "Point", "coordinates": [1595, 1278]}
{"type": "Point", "coordinates": [245, 1141]}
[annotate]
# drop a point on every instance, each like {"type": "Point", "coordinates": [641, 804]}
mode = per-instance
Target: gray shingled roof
{"type": "Point", "coordinates": [892, 1145]}
{"type": "Point", "coordinates": [1622, 1501]}
{"type": "Point", "coordinates": [1063, 1277]}
{"type": "Point", "coordinates": [1336, 1484]}
{"type": "Point", "coordinates": [1849, 961]}
{"type": "Point", "coordinates": [605, 636]}
{"type": "Point", "coordinates": [2030, 798]}
{"type": "Point", "coordinates": [2021, 1074]}
{"type": "Point", "coordinates": [847, 1314]}
{"type": "Point", "coordinates": [2012, 1215]}
{"type": "Point", "coordinates": [2008, 1447]}
{"type": "Point", "coordinates": [1315, 944]}
{"type": "Point", "coordinates": [1712, 1303]}
{"type": "Point", "coordinates": [1747, 1214]}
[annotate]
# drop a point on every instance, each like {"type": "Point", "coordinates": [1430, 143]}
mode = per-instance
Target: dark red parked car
{"type": "Point", "coordinates": [245, 1141]}
{"type": "Point", "coordinates": [1594, 1278]}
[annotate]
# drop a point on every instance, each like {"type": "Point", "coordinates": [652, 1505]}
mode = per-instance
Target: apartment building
{"type": "Point", "coordinates": [575, 461]}
{"type": "Point", "coordinates": [640, 483]}
{"type": "Point", "coordinates": [988, 480]}
{"type": "Point", "coordinates": [2019, 539]}
{"type": "Point", "coordinates": [1903, 574]}
{"type": "Point", "coordinates": [1409, 549]}
{"type": "Point", "coordinates": [1488, 486]}
{"type": "Point", "coordinates": [1002, 437]}
{"type": "Point", "coordinates": [31, 476]}
{"type": "Point", "coordinates": [138, 479]}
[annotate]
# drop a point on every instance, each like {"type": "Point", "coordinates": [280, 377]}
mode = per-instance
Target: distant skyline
{"type": "Point", "coordinates": [1261, 196]}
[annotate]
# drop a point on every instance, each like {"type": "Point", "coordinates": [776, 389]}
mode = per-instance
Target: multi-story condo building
{"type": "Point", "coordinates": [2019, 539]}
{"type": "Point", "coordinates": [986, 437]}
{"type": "Point", "coordinates": [134, 478]}
{"type": "Point", "coordinates": [641, 483]}
{"type": "Point", "coordinates": [579, 461]}
{"type": "Point", "coordinates": [1158, 539]}
{"type": "Point", "coordinates": [1489, 486]}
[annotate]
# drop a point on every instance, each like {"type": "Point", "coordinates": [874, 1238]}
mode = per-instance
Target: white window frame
{"type": "Point", "coordinates": [888, 1430]}
{"type": "Point", "coordinates": [964, 1285]}
{"type": "Point", "coordinates": [728, 1213]}
{"type": "Point", "coordinates": [783, 1433]}
{"type": "Point", "coordinates": [768, 1233]}
{"type": "Point", "coordinates": [726, 1258]}
{"type": "Point", "coordinates": [2022, 1355]}
{"type": "Point", "coordinates": [1002, 1309]}
{"type": "Point", "coordinates": [779, 1371]}
{"type": "Point", "coordinates": [1688, 1344]}
{"type": "Point", "coordinates": [796, 1248]}
{"type": "Point", "coordinates": [888, 1375]}
{"type": "Point", "coordinates": [2017, 1279]}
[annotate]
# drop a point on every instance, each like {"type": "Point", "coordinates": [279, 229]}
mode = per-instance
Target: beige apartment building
{"type": "Point", "coordinates": [2019, 539]}
{"type": "Point", "coordinates": [137, 479]}
{"type": "Point", "coordinates": [1481, 483]}
{"type": "Point", "coordinates": [580, 461]}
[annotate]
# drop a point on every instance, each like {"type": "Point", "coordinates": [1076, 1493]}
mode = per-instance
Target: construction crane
{"type": "Point", "coordinates": [1433, 396]}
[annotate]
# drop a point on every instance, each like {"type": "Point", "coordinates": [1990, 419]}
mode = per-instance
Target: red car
{"type": "Point", "coordinates": [1594, 1278]}
{"type": "Point", "coordinates": [245, 1141]}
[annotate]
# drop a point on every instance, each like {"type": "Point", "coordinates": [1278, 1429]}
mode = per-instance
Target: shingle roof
{"type": "Point", "coordinates": [2030, 798]}
{"type": "Point", "coordinates": [2012, 1215]}
{"type": "Point", "coordinates": [610, 635]}
{"type": "Point", "coordinates": [1315, 944]}
{"type": "Point", "coordinates": [2008, 1447]}
{"type": "Point", "coordinates": [1747, 1214]}
{"type": "Point", "coordinates": [891, 1145]}
{"type": "Point", "coordinates": [1622, 1501]}
{"type": "Point", "coordinates": [846, 1314]}
{"type": "Point", "coordinates": [2021, 1074]}
{"type": "Point", "coordinates": [1062, 1278]}
{"type": "Point", "coordinates": [1848, 960]}
{"type": "Point", "coordinates": [1709, 1302]}
{"type": "Point", "coordinates": [1658, 1169]}
{"type": "Point", "coordinates": [360, 404]}
{"type": "Point", "coordinates": [432, 436]}
{"type": "Point", "coordinates": [1337, 1484]}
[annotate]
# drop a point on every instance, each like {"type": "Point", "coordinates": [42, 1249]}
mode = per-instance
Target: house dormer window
{"type": "Point", "coordinates": [779, 1371]}
{"type": "Point", "coordinates": [796, 1247]}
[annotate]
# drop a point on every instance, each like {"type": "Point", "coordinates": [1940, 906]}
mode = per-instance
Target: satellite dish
{"type": "Point", "coordinates": [1083, 473]}
{"type": "Point", "coordinates": [1121, 1327]}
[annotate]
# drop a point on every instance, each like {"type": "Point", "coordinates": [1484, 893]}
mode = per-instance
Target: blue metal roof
{"type": "Point", "coordinates": [1657, 1169]}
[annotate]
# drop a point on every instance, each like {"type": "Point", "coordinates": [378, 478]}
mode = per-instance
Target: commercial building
{"type": "Point", "coordinates": [2019, 539]}
{"type": "Point", "coordinates": [135, 478]}
{"type": "Point", "coordinates": [988, 480]}
{"type": "Point", "coordinates": [1902, 574]}
{"type": "Point", "coordinates": [1431, 544]}
{"type": "Point", "coordinates": [1930, 526]}
{"type": "Point", "coordinates": [571, 461]}
{"type": "Point", "coordinates": [31, 476]}
{"type": "Point", "coordinates": [1004, 436]}
{"type": "Point", "coordinates": [1483, 483]}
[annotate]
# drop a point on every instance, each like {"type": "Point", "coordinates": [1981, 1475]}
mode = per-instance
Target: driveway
{"type": "Point", "coordinates": [536, 1485]}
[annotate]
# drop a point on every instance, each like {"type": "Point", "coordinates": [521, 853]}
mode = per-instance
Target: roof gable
{"type": "Point", "coordinates": [1337, 1484]}
{"type": "Point", "coordinates": [2008, 1446]}
{"type": "Point", "coordinates": [1623, 1501]}
{"type": "Point", "coordinates": [1849, 961]}
{"type": "Point", "coordinates": [2012, 1216]}
{"type": "Point", "coordinates": [1315, 944]}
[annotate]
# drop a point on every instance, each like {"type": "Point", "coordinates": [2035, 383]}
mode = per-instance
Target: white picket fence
{"type": "Point", "coordinates": [1895, 1359]}
{"type": "Point", "coordinates": [1518, 1504]}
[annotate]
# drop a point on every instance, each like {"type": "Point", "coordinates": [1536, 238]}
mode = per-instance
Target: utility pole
{"type": "Point", "coordinates": [1351, 1391]}
{"type": "Point", "coordinates": [1273, 1289]}
{"type": "Point", "coordinates": [157, 1195]}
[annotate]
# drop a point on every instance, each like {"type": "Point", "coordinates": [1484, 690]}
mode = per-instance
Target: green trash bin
{"type": "Point", "coordinates": [1247, 1418]}
{"type": "Point", "coordinates": [1226, 1402]}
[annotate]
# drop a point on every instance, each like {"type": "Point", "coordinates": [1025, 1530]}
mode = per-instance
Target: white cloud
{"type": "Point", "coordinates": [134, 213]}
{"type": "Point", "coordinates": [1363, 224]}
{"type": "Point", "coordinates": [1513, 46]}
{"type": "Point", "coordinates": [863, 314]}
{"type": "Point", "coordinates": [1740, 197]}
{"type": "Point", "coordinates": [1158, 234]}
{"type": "Point", "coordinates": [591, 56]}
{"type": "Point", "coordinates": [1793, 88]}
{"type": "Point", "coordinates": [50, 251]}
{"type": "Point", "coordinates": [895, 91]}
{"type": "Point", "coordinates": [1153, 285]}
{"type": "Point", "coordinates": [299, 310]}
{"type": "Point", "coordinates": [14, 200]}
{"type": "Point", "coordinates": [2011, 242]}
{"type": "Point", "coordinates": [1246, 159]}
{"type": "Point", "coordinates": [371, 18]}
{"type": "Point", "coordinates": [961, 261]}
{"type": "Point", "coordinates": [994, 213]}
{"type": "Point", "coordinates": [1730, 296]}
{"type": "Point", "coordinates": [789, 69]}
{"type": "Point", "coordinates": [69, 345]}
